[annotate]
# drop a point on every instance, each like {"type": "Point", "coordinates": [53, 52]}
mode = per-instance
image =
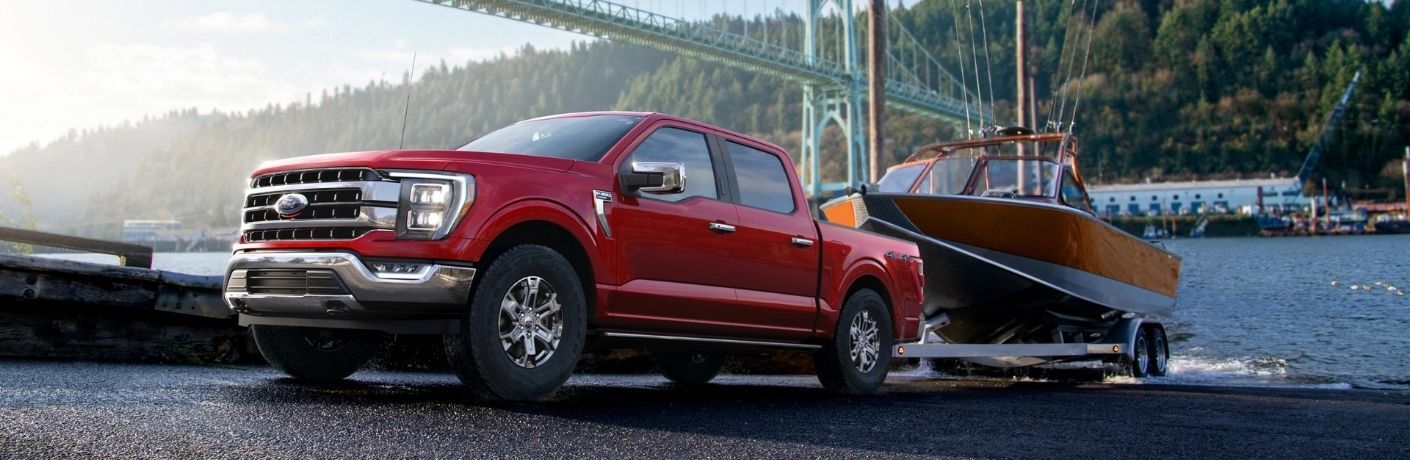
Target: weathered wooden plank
{"type": "Point", "coordinates": [61, 282]}
{"type": "Point", "coordinates": [129, 255]}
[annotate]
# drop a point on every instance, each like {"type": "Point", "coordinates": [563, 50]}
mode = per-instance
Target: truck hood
{"type": "Point", "coordinates": [412, 159]}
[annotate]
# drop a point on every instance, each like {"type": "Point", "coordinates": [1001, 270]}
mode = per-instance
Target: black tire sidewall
{"type": "Point", "coordinates": [1140, 345]}
{"type": "Point", "coordinates": [852, 379]}
{"type": "Point", "coordinates": [501, 377]}
{"type": "Point", "coordinates": [1158, 348]}
{"type": "Point", "coordinates": [680, 368]}
{"type": "Point", "coordinates": [286, 349]}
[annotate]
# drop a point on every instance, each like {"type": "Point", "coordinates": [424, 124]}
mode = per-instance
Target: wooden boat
{"type": "Point", "coordinates": [1011, 249]}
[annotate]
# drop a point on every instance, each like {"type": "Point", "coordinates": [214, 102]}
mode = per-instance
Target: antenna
{"type": "Point", "coordinates": [410, 78]}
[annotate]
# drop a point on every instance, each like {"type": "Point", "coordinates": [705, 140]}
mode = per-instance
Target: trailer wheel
{"type": "Point", "coordinates": [524, 329]}
{"type": "Point", "coordinates": [1160, 352]}
{"type": "Point", "coordinates": [314, 354]}
{"type": "Point", "coordinates": [857, 358]}
{"type": "Point", "coordinates": [1140, 359]}
{"type": "Point", "coordinates": [688, 368]}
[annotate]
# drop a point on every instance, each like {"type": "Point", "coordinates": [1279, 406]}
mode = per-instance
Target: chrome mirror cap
{"type": "Point", "coordinates": [672, 176]}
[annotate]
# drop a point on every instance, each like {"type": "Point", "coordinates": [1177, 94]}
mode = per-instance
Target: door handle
{"type": "Point", "coordinates": [802, 242]}
{"type": "Point", "coordinates": [721, 227]}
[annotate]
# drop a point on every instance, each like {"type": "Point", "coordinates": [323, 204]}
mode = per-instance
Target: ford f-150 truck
{"type": "Point", "coordinates": [532, 242]}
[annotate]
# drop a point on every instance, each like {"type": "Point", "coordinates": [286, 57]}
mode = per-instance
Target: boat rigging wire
{"type": "Point", "coordinates": [988, 68]}
{"type": "Point", "coordinates": [974, 55]}
{"type": "Point", "coordinates": [964, 79]}
{"type": "Point", "coordinates": [1064, 77]}
{"type": "Point", "coordinates": [1091, 30]}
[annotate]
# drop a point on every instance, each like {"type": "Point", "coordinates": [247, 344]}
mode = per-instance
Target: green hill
{"type": "Point", "coordinates": [1173, 89]}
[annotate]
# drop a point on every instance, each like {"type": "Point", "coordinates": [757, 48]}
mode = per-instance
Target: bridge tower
{"type": "Point", "coordinates": [839, 103]}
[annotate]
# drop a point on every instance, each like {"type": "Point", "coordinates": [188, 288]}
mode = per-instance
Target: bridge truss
{"type": "Point", "coordinates": [830, 69]}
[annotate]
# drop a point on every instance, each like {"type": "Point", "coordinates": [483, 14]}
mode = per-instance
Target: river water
{"type": "Point", "coordinates": [1251, 311]}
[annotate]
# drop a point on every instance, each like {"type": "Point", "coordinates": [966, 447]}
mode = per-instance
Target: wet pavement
{"type": "Point", "coordinates": [50, 409]}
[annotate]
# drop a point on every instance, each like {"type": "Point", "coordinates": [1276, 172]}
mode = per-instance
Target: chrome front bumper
{"type": "Point", "coordinates": [354, 288]}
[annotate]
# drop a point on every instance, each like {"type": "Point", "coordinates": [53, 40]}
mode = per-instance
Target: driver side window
{"type": "Point", "coordinates": [688, 148]}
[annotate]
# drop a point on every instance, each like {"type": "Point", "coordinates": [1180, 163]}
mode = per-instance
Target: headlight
{"type": "Point", "coordinates": [431, 203]}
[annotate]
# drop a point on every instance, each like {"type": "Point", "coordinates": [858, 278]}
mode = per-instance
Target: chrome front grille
{"type": "Point", "coordinates": [315, 176]}
{"type": "Point", "coordinates": [342, 203]}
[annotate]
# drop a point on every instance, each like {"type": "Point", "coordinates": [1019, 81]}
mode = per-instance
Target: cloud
{"type": "Point", "coordinates": [184, 76]}
{"type": "Point", "coordinates": [315, 23]}
{"type": "Point", "coordinates": [224, 21]}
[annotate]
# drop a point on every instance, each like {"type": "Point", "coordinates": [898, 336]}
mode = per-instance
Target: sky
{"type": "Point", "coordinates": [84, 64]}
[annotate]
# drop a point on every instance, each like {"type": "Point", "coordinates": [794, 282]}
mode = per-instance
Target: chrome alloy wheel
{"type": "Point", "coordinates": [530, 322]}
{"type": "Point", "coordinates": [866, 343]}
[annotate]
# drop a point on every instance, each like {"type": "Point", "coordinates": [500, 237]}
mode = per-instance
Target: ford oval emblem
{"type": "Point", "coordinates": [290, 205]}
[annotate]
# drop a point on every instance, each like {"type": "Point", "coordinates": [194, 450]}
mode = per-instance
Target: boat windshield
{"type": "Point", "coordinates": [899, 179]}
{"type": "Point", "coordinates": [949, 176]}
{"type": "Point", "coordinates": [1018, 178]}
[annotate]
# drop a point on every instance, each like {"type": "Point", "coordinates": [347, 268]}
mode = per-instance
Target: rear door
{"type": "Point", "coordinates": [676, 262]}
{"type": "Point", "coordinates": [776, 270]}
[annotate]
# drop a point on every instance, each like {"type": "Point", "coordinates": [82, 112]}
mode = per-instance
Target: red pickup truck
{"type": "Point", "coordinates": [532, 242]}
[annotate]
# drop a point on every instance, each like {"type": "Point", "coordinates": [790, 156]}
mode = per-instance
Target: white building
{"type": "Point", "coordinates": [1280, 194]}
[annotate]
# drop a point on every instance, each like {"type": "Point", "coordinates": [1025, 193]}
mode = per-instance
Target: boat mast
{"type": "Point", "coordinates": [1405, 170]}
{"type": "Point", "coordinates": [1021, 69]}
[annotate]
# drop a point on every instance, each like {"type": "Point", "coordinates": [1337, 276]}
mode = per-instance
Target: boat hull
{"type": "Point", "coordinates": [1006, 271]}
{"type": "Point", "coordinates": [1393, 227]}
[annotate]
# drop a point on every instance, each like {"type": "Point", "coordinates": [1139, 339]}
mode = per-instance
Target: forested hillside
{"type": "Point", "coordinates": [1173, 89]}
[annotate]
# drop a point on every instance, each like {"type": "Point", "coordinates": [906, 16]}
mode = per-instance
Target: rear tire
{"type": "Point", "coordinates": [688, 368]}
{"type": "Point", "coordinates": [313, 354]}
{"type": "Point", "coordinates": [1160, 353]}
{"type": "Point", "coordinates": [524, 329]}
{"type": "Point", "coordinates": [1139, 363]}
{"type": "Point", "coordinates": [858, 357]}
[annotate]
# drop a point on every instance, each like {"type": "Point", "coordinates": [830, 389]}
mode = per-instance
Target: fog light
{"type": "Point", "coordinates": [1116, 348]}
{"type": "Point", "coordinates": [386, 270]}
{"type": "Point", "coordinates": [900, 350]}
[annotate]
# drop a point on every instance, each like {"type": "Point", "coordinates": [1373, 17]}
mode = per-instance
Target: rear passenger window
{"type": "Point", "coordinates": [685, 147]}
{"type": "Point", "coordinates": [763, 183]}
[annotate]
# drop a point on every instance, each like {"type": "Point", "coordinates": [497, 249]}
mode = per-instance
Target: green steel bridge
{"type": "Point", "coordinates": [828, 61]}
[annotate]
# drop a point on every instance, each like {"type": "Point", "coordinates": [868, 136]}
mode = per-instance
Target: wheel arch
{"type": "Point", "coordinates": [868, 274]}
{"type": "Point", "coordinates": [549, 225]}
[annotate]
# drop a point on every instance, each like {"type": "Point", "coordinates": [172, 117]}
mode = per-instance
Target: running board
{"type": "Point", "coordinates": [712, 340]}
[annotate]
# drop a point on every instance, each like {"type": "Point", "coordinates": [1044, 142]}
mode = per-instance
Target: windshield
{"type": "Point", "coordinates": [1011, 177]}
{"type": "Point", "coordinates": [574, 138]}
{"type": "Point", "coordinates": [948, 176]}
{"type": "Point", "coordinates": [899, 180]}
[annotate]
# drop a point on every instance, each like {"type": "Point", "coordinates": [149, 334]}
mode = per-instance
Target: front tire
{"type": "Point", "coordinates": [313, 354]}
{"type": "Point", "coordinates": [524, 329]}
{"type": "Point", "coordinates": [858, 357]}
{"type": "Point", "coordinates": [688, 368]}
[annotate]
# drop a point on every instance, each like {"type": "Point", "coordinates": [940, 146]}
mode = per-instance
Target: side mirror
{"type": "Point", "coordinates": [655, 177]}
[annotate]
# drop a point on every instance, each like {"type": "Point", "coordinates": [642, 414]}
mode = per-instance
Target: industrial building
{"type": "Point", "coordinates": [1278, 194]}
